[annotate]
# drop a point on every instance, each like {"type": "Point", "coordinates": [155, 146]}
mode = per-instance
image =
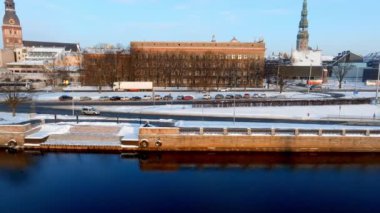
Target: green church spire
{"type": "Point", "coordinates": [304, 23]}
{"type": "Point", "coordinates": [303, 33]}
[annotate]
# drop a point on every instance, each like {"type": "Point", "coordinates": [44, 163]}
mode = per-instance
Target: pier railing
{"type": "Point", "coordinates": [278, 131]}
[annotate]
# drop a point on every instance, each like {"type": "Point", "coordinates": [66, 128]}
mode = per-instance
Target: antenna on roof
{"type": "Point", "coordinates": [213, 38]}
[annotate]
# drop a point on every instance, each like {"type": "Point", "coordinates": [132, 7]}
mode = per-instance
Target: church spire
{"type": "Point", "coordinates": [303, 33]}
{"type": "Point", "coordinates": [10, 5]}
{"type": "Point", "coordinates": [12, 31]}
{"type": "Point", "coordinates": [304, 22]}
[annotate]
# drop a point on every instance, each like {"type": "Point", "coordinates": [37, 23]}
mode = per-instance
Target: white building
{"type": "Point", "coordinates": [37, 64]}
{"type": "Point", "coordinates": [306, 58]}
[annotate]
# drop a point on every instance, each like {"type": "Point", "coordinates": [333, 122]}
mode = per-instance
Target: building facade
{"type": "Point", "coordinates": [199, 64]}
{"type": "Point", "coordinates": [12, 31]}
{"type": "Point", "coordinates": [104, 66]}
{"type": "Point", "coordinates": [37, 62]}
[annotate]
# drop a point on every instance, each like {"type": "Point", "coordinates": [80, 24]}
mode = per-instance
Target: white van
{"type": "Point", "coordinates": [89, 111]}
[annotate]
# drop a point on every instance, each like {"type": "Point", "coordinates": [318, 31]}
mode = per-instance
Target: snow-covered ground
{"type": "Point", "coordinates": [294, 112]}
{"type": "Point", "coordinates": [348, 84]}
{"type": "Point", "coordinates": [7, 118]}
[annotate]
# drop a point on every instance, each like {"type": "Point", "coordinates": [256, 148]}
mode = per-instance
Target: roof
{"type": "Point", "coordinates": [27, 63]}
{"type": "Point", "coordinates": [11, 15]}
{"type": "Point", "coordinates": [68, 46]}
{"type": "Point", "coordinates": [348, 57]}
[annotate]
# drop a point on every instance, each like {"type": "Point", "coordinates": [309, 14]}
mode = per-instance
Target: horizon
{"type": "Point", "coordinates": [123, 21]}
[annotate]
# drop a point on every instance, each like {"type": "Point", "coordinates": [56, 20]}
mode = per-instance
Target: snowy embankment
{"type": "Point", "coordinates": [291, 112]}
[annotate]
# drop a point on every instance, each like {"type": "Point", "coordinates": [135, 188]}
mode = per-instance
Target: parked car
{"type": "Point", "coordinates": [136, 98]}
{"type": "Point", "coordinates": [90, 111]}
{"type": "Point", "coordinates": [157, 97]}
{"type": "Point", "coordinates": [219, 97]}
{"type": "Point", "coordinates": [125, 98]}
{"type": "Point", "coordinates": [247, 96]}
{"type": "Point", "coordinates": [316, 88]}
{"type": "Point", "coordinates": [301, 85]}
{"type": "Point", "coordinates": [104, 98]}
{"type": "Point", "coordinates": [147, 98]}
{"type": "Point", "coordinates": [85, 98]}
{"type": "Point", "coordinates": [255, 95]}
{"type": "Point", "coordinates": [224, 90]}
{"type": "Point", "coordinates": [229, 96]}
{"type": "Point", "coordinates": [25, 97]}
{"type": "Point", "coordinates": [206, 97]}
{"type": "Point", "coordinates": [180, 97]}
{"type": "Point", "coordinates": [168, 98]}
{"type": "Point", "coordinates": [188, 98]}
{"type": "Point", "coordinates": [262, 95]}
{"type": "Point", "coordinates": [115, 98]}
{"type": "Point", "coordinates": [238, 96]}
{"type": "Point", "coordinates": [65, 98]}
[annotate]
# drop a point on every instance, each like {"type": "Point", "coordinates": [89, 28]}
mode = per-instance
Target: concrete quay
{"type": "Point", "coordinates": [93, 138]}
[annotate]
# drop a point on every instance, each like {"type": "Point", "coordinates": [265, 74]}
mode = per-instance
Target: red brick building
{"type": "Point", "coordinates": [199, 64]}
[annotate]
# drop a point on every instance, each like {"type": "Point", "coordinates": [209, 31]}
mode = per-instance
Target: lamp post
{"type": "Point", "coordinates": [356, 80]}
{"type": "Point", "coordinates": [308, 82]}
{"type": "Point", "coordinates": [377, 84]}
{"type": "Point", "coordinates": [72, 101]}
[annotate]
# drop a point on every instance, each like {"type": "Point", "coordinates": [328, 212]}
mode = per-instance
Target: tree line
{"type": "Point", "coordinates": [174, 69]}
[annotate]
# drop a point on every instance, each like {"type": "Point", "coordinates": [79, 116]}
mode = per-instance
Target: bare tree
{"type": "Point", "coordinates": [340, 71]}
{"type": "Point", "coordinates": [12, 93]}
{"type": "Point", "coordinates": [281, 83]}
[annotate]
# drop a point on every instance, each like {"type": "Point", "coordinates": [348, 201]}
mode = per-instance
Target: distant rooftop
{"type": "Point", "coordinates": [105, 51]}
{"type": "Point", "coordinates": [68, 46]}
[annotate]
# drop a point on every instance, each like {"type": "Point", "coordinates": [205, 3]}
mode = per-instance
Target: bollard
{"type": "Point", "coordinates": [296, 132]}
{"type": "Point", "coordinates": [343, 132]}
{"type": "Point", "coordinates": [273, 132]}
{"type": "Point", "coordinates": [77, 119]}
{"type": "Point", "coordinates": [201, 131]}
{"type": "Point", "coordinates": [320, 132]}
{"type": "Point", "coordinates": [368, 132]}
{"type": "Point", "coordinates": [55, 118]}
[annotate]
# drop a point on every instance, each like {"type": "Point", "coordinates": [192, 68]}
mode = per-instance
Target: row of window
{"type": "Point", "coordinates": [14, 32]}
{"type": "Point", "coordinates": [28, 71]}
{"type": "Point", "coordinates": [197, 57]}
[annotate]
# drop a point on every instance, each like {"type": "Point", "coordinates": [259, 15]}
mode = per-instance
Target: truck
{"type": "Point", "coordinates": [132, 86]}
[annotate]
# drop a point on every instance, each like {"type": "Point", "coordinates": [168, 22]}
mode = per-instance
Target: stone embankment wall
{"type": "Point", "coordinates": [171, 139]}
{"type": "Point", "coordinates": [15, 132]}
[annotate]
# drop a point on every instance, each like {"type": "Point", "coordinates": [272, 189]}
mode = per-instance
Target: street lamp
{"type": "Point", "coordinates": [311, 69]}
{"type": "Point", "coordinates": [72, 101]}
{"type": "Point", "coordinates": [377, 84]}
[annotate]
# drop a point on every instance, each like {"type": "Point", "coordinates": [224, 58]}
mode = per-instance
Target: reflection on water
{"type": "Point", "coordinates": [189, 182]}
{"type": "Point", "coordinates": [177, 160]}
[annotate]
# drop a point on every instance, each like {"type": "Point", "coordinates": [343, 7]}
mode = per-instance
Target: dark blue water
{"type": "Point", "coordinates": [189, 183]}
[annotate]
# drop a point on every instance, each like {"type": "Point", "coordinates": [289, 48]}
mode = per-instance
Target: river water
{"type": "Point", "coordinates": [179, 182]}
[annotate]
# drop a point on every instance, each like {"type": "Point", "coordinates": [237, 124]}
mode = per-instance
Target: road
{"type": "Point", "coordinates": [48, 108]}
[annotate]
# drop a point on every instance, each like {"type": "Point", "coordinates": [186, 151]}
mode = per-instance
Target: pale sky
{"type": "Point", "coordinates": [335, 25]}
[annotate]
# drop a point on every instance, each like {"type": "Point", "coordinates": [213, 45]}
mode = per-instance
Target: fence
{"type": "Point", "coordinates": [277, 132]}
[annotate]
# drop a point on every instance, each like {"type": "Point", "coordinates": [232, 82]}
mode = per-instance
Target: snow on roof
{"type": "Point", "coordinates": [27, 63]}
{"type": "Point", "coordinates": [327, 58]}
